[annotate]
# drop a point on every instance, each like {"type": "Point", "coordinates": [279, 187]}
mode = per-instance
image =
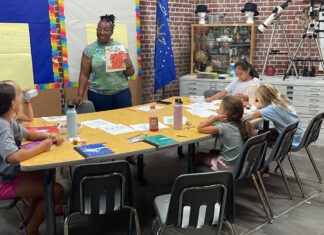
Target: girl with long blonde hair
{"type": "Point", "coordinates": [276, 107]}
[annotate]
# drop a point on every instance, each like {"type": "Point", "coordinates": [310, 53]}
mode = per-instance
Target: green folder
{"type": "Point", "coordinates": [160, 141]}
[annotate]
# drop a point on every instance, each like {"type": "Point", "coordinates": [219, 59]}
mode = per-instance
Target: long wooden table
{"type": "Point", "coordinates": [65, 155]}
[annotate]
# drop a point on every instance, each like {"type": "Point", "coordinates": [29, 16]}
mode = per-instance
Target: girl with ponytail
{"type": "Point", "coordinates": [231, 131]}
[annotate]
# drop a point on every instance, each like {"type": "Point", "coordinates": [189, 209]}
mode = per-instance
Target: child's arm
{"type": "Point", "coordinates": [207, 127]}
{"type": "Point", "coordinates": [27, 114]}
{"type": "Point", "coordinates": [32, 136]}
{"type": "Point", "coordinates": [45, 145]}
{"type": "Point", "coordinates": [217, 96]}
{"type": "Point", "coordinates": [24, 154]}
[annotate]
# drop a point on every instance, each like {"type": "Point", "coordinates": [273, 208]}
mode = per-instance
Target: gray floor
{"type": "Point", "coordinates": [297, 216]}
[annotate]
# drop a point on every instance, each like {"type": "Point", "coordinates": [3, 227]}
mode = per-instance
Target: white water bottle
{"type": "Point", "coordinates": [71, 119]}
{"type": "Point", "coordinates": [30, 94]}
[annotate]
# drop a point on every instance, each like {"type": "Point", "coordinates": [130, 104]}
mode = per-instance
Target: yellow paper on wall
{"type": "Point", "coordinates": [120, 33]}
{"type": "Point", "coordinates": [15, 54]}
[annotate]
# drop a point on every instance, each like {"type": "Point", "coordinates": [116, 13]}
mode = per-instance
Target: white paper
{"type": "Point", "coordinates": [202, 112]}
{"type": "Point", "coordinates": [54, 118]}
{"type": "Point", "coordinates": [147, 108]}
{"type": "Point", "coordinates": [97, 123]}
{"type": "Point", "coordinates": [117, 129]}
{"type": "Point", "coordinates": [204, 105]}
{"type": "Point", "coordinates": [146, 127]}
{"type": "Point", "coordinates": [169, 120]}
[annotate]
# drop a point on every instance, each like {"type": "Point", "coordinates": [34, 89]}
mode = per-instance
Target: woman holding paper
{"type": "Point", "coordinates": [105, 68]}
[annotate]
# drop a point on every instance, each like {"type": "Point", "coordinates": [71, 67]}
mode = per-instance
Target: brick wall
{"type": "Point", "coordinates": [182, 16]}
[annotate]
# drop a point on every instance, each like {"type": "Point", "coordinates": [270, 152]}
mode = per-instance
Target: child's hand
{"type": "Point", "coordinates": [209, 99]}
{"type": "Point", "coordinates": [57, 140]}
{"type": "Point", "coordinates": [45, 145]}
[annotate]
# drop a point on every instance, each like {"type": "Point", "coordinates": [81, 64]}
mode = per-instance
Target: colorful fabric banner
{"type": "Point", "coordinates": [163, 57]}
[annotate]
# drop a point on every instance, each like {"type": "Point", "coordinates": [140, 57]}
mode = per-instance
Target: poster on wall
{"type": "Point", "coordinates": [28, 59]}
{"type": "Point", "coordinates": [81, 19]}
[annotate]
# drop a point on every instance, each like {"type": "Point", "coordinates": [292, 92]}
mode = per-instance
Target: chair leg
{"type": "Point", "coordinates": [283, 174]}
{"type": "Point", "coordinates": [293, 167]}
{"type": "Point", "coordinates": [261, 197]}
{"type": "Point", "coordinates": [277, 167]}
{"type": "Point", "coordinates": [231, 228]}
{"type": "Point", "coordinates": [155, 220]}
{"type": "Point", "coordinates": [266, 197]}
{"type": "Point", "coordinates": [314, 165]}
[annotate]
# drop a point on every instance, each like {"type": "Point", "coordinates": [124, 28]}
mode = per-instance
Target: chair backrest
{"type": "Point", "coordinates": [86, 107]}
{"type": "Point", "coordinates": [283, 143]}
{"type": "Point", "coordinates": [313, 129]}
{"type": "Point", "coordinates": [251, 157]}
{"type": "Point", "coordinates": [100, 188]}
{"type": "Point", "coordinates": [201, 199]}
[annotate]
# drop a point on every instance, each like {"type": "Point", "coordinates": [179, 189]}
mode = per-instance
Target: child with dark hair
{"type": "Point", "coordinates": [13, 182]}
{"type": "Point", "coordinates": [246, 74]}
{"type": "Point", "coordinates": [26, 113]}
{"type": "Point", "coordinates": [231, 132]}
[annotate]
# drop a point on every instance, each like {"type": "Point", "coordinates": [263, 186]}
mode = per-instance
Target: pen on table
{"type": "Point", "coordinates": [132, 110]}
{"type": "Point", "coordinates": [134, 136]}
{"type": "Point", "coordinates": [182, 136]}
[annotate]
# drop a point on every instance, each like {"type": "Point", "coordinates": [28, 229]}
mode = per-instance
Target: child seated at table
{"type": "Point", "coordinates": [26, 113]}
{"type": "Point", "coordinates": [14, 182]}
{"type": "Point", "coordinates": [246, 75]}
{"type": "Point", "coordinates": [231, 133]}
{"type": "Point", "coordinates": [276, 107]}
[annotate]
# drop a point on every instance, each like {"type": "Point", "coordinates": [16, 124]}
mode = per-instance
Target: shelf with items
{"type": "Point", "coordinates": [215, 46]}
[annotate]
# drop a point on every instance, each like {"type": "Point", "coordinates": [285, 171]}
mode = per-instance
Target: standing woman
{"type": "Point", "coordinates": [107, 90]}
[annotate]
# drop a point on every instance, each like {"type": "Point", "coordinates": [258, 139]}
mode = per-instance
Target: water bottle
{"type": "Point", "coordinates": [71, 118]}
{"type": "Point", "coordinates": [177, 114]}
{"type": "Point", "coordinates": [30, 94]}
{"type": "Point", "coordinates": [251, 92]}
{"type": "Point", "coordinates": [153, 119]}
{"type": "Point", "coordinates": [232, 70]}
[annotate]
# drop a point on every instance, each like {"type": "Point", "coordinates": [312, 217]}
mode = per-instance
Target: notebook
{"type": "Point", "coordinates": [93, 150]}
{"type": "Point", "coordinates": [160, 141]}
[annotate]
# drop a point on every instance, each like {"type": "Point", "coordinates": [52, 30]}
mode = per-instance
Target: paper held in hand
{"type": "Point", "coordinates": [115, 56]}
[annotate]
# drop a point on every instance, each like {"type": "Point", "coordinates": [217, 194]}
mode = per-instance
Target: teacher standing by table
{"type": "Point", "coordinates": [107, 90]}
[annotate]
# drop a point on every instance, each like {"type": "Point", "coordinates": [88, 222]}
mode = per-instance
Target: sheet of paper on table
{"type": "Point", "coordinates": [146, 127]}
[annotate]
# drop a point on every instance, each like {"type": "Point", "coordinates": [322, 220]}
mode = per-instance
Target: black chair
{"type": "Point", "coordinates": [102, 200]}
{"type": "Point", "coordinates": [248, 164]}
{"type": "Point", "coordinates": [209, 93]}
{"type": "Point", "coordinates": [279, 151]}
{"type": "Point", "coordinates": [197, 201]}
{"type": "Point", "coordinates": [86, 107]}
{"type": "Point", "coordinates": [7, 204]}
{"type": "Point", "coordinates": [310, 135]}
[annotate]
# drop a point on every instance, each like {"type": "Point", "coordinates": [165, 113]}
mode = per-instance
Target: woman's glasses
{"type": "Point", "coordinates": [104, 30]}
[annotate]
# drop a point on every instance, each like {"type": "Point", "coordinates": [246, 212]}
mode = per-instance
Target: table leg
{"type": "Point", "coordinates": [191, 157]}
{"type": "Point", "coordinates": [180, 153]}
{"type": "Point", "coordinates": [49, 202]}
{"type": "Point", "coordinates": [265, 125]}
{"type": "Point", "coordinates": [140, 169]}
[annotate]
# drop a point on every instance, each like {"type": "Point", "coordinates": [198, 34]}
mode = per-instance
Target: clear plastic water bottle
{"type": "Point", "coordinates": [232, 70]}
{"type": "Point", "coordinates": [177, 114]}
{"type": "Point", "coordinates": [30, 94]}
{"type": "Point", "coordinates": [71, 118]}
{"type": "Point", "coordinates": [251, 92]}
{"type": "Point", "coordinates": [153, 119]}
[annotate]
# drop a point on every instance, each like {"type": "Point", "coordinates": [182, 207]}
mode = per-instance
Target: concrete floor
{"type": "Point", "coordinates": [297, 216]}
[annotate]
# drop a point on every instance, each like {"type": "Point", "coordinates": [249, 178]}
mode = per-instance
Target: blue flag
{"type": "Point", "coordinates": [163, 58]}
